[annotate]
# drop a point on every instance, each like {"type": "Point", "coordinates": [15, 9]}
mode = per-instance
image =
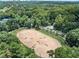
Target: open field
{"type": "Point", "coordinates": [53, 35]}
{"type": "Point", "coordinates": [41, 43]}
{"type": "Point", "coordinates": [39, 29]}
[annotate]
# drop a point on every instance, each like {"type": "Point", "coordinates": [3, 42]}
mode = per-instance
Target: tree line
{"type": "Point", "coordinates": [64, 17]}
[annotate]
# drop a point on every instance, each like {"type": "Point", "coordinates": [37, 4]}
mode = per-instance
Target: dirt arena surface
{"type": "Point", "coordinates": [38, 41]}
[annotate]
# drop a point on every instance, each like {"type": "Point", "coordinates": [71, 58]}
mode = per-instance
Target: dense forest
{"type": "Point", "coordinates": [64, 17]}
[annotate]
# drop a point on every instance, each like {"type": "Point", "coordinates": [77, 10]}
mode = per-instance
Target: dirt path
{"type": "Point", "coordinates": [38, 41]}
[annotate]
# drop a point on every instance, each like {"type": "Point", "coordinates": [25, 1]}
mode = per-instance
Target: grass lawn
{"type": "Point", "coordinates": [17, 30]}
{"type": "Point", "coordinates": [51, 34]}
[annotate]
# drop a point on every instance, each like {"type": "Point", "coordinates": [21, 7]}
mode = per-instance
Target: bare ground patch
{"type": "Point", "coordinates": [38, 41]}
